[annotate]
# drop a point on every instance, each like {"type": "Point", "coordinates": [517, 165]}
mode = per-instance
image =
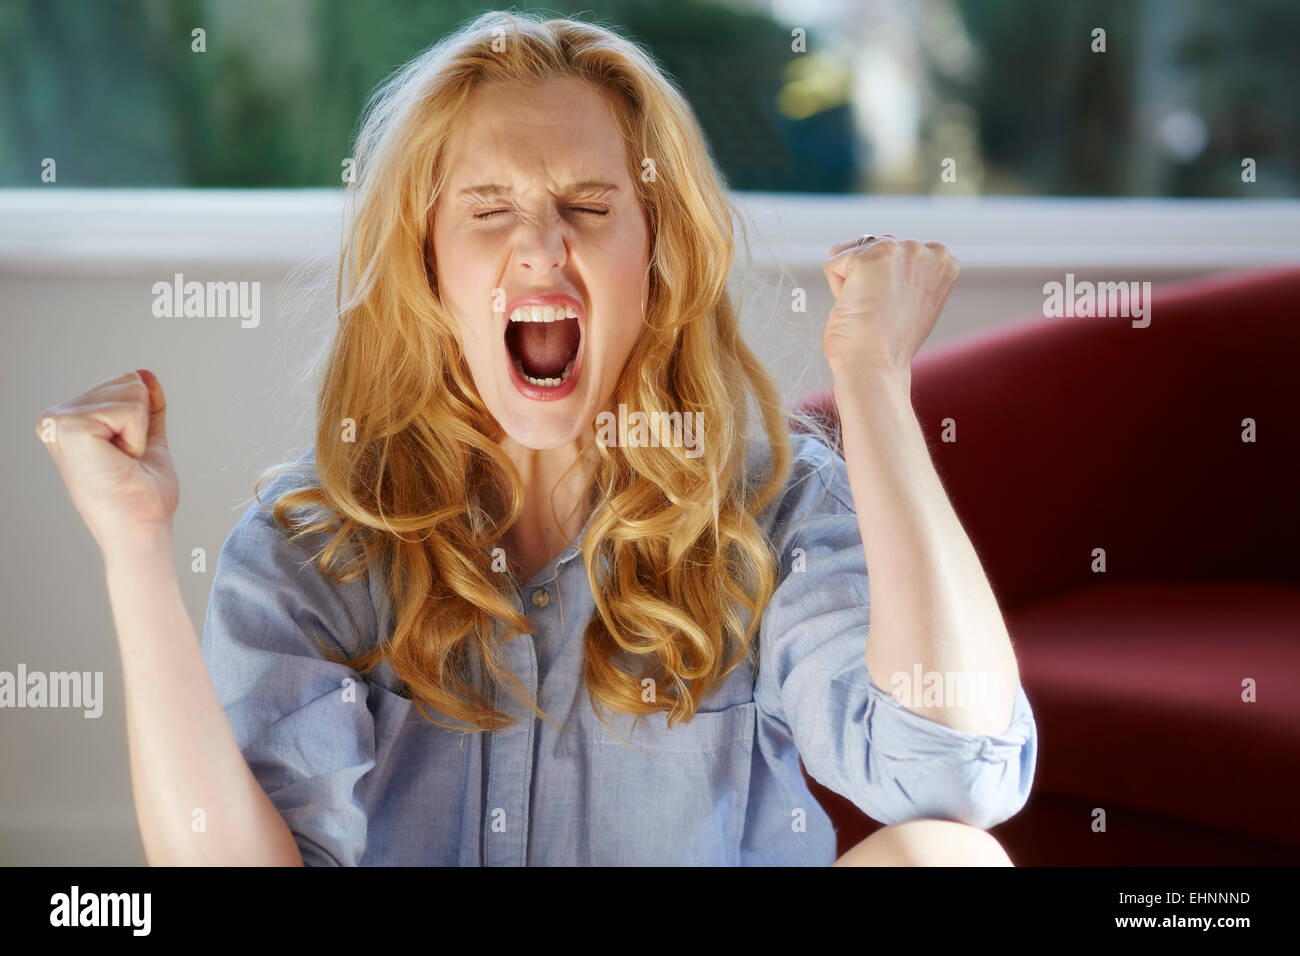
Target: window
{"type": "Point", "coordinates": [958, 97]}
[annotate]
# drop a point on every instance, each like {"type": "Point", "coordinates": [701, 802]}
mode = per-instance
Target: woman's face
{"type": "Point", "coordinates": [539, 220]}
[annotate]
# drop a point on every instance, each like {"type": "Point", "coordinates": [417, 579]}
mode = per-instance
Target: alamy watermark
{"type": "Point", "coordinates": [944, 688]}
{"type": "Point", "coordinates": [75, 908]}
{"type": "Point", "coordinates": [651, 430]}
{"type": "Point", "coordinates": [208, 300]}
{"type": "Point", "coordinates": [1100, 299]}
{"type": "Point", "coordinates": [55, 689]}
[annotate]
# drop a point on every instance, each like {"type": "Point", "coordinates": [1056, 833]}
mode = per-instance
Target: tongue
{"type": "Point", "coordinates": [544, 348]}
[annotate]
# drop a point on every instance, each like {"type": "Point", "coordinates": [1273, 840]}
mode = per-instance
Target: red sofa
{"type": "Point", "coordinates": [1083, 433]}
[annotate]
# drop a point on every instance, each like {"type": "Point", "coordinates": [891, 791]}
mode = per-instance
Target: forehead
{"type": "Point", "coordinates": [563, 130]}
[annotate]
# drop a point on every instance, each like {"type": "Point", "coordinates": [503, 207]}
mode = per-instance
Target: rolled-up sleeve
{"type": "Point", "coordinates": [302, 721]}
{"type": "Point", "coordinates": [855, 738]}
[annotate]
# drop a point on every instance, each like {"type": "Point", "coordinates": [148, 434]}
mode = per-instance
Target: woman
{"type": "Point", "coordinates": [408, 662]}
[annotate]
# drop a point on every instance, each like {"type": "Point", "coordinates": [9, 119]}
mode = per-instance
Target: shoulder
{"type": "Point", "coordinates": [270, 572]}
{"type": "Point", "coordinates": [818, 482]}
{"type": "Point", "coordinates": [258, 534]}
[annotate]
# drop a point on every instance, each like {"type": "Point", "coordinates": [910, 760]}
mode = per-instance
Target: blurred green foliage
{"type": "Point", "coordinates": [1055, 117]}
{"type": "Point", "coordinates": [112, 91]}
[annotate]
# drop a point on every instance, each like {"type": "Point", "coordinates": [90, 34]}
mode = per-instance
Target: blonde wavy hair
{"type": "Point", "coordinates": [687, 570]}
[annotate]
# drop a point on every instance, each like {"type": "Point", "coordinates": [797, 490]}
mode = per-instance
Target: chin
{"type": "Point", "coordinates": [542, 426]}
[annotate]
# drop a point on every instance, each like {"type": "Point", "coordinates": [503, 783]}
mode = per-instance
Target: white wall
{"type": "Point", "coordinates": [76, 271]}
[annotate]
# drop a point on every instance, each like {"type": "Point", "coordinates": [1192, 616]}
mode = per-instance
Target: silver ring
{"type": "Point", "coordinates": [864, 238]}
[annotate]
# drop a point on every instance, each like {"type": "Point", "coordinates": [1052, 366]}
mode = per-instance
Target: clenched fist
{"type": "Point", "coordinates": [888, 296]}
{"type": "Point", "coordinates": [110, 445]}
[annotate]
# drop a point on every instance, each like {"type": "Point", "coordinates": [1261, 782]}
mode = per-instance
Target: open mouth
{"type": "Point", "coordinates": [543, 340]}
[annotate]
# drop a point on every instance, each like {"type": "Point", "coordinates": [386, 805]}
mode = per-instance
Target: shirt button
{"type": "Point", "coordinates": [541, 597]}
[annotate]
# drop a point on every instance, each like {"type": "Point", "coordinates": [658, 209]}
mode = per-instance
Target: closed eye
{"type": "Point", "coordinates": [487, 214]}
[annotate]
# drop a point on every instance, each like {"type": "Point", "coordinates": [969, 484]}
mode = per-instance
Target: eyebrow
{"type": "Point", "coordinates": [591, 187]}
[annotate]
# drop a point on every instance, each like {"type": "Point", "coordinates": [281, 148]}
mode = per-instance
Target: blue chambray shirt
{"type": "Point", "coordinates": [361, 778]}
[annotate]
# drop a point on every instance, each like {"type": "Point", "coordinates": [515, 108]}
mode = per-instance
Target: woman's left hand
{"type": "Point", "coordinates": [888, 296]}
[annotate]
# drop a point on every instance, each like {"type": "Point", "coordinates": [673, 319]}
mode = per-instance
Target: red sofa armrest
{"type": "Point", "coordinates": [1082, 433]}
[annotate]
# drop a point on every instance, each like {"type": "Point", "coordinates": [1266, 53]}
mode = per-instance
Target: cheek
{"type": "Point", "coordinates": [625, 267]}
{"type": "Point", "coordinates": [629, 292]}
{"type": "Point", "coordinates": [630, 322]}
{"type": "Point", "coordinates": [460, 289]}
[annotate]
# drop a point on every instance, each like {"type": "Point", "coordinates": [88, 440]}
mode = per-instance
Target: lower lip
{"type": "Point", "coordinates": [541, 393]}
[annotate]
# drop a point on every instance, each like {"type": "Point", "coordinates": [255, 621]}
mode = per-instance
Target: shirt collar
{"type": "Point", "coordinates": [570, 551]}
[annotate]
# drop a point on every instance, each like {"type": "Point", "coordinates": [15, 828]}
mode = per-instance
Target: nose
{"type": "Point", "coordinates": [540, 244]}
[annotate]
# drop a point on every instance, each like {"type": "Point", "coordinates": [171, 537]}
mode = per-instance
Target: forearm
{"type": "Point", "coordinates": [931, 603]}
{"type": "Point", "coordinates": [183, 754]}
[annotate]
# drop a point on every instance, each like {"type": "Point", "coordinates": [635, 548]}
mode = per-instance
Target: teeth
{"type": "Point", "coordinates": [546, 382]}
{"type": "Point", "coordinates": [543, 313]}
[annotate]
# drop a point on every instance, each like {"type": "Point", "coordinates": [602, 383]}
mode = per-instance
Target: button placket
{"type": "Point", "coordinates": [510, 766]}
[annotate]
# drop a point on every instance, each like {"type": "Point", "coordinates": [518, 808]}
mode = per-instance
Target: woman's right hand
{"type": "Point", "coordinates": [110, 445]}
